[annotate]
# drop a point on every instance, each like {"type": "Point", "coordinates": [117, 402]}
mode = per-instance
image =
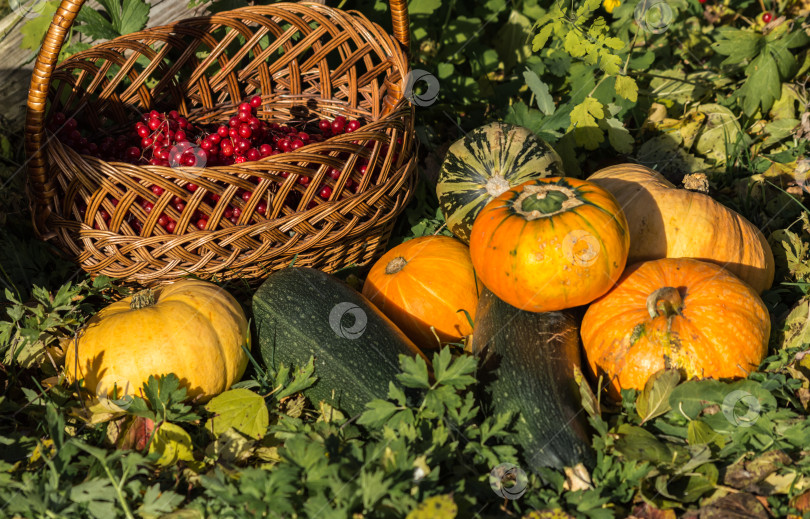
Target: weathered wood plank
{"type": "Point", "coordinates": [16, 63]}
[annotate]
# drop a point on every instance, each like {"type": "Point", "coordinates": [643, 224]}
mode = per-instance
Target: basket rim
{"type": "Point", "coordinates": [42, 190]}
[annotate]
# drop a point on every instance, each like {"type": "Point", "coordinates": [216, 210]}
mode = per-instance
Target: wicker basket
{"type": "Point", "coordinates": [305, 60]}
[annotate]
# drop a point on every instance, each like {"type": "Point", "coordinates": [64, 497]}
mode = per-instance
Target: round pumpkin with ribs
{"type": "Point", "coordinates": [191, 328]}
{"type": "Point", "coordinates": [668, 222]}
{"type": "Point", "coordinates": [677, 313]}
{"type": "Point", "coordinates": [550, 244]}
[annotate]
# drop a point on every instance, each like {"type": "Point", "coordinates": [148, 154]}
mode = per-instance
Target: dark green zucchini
{"type": "Point", "coordinates": [301, 312]}
{"type": "Point", "coordinates": [527, 367]}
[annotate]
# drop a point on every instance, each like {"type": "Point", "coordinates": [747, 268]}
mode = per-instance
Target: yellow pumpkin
{"type": "Point", "coordinates": [667, 222]}
{"type": "Point", "coordinates": [191, 328]}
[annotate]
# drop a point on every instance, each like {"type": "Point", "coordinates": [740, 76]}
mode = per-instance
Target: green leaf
{"type": "Point", "coordinates": [583, 121]}
{"type": "Point", "coordinates": [691, 397]}
{"type": "Point", "coordinates": [396, 394]}
{"type": "Point", "coordinates": [762, 86]}
{"type": "Point", "coordinates": [377, 413]}
{"type": "Point", "coordinates": [575, 45]}
{"type": "Point", "coordinates": [512, 40]}
{"type": "Point", "coordinates": [785, 106]}
{"type": "Point", "coordinates": [34, 29]}
{"type": "Point", "coordinates": [778, 131]}
{"type": "Point", "coordinates": [614, 43]}
{"type": "Point", "coordinates": [636, 443]}
{"type": "Point", "coordinates": [737, 44]}
{"type": "Point", "coordinates": [699, 433]}
{"type": "Point", "coordinates": [163, 400]}
{"type": "Point", "coordinates": [125, 17]}
{"type": "Point", "coordinates": [627, 88]}
{"type": "Point", "coordinates": [172, 443]}
{"type": "Point", "coordinates": [721, 134]}
{"type": "Point", "coordinates": [521, 115]}
{"type": "Point", "coordinates": [674, 85]}
{"type": "Point", "coordinates": [134, 15]}
{"type": "Point", "coordinates": [701, 481]}
{"type": "Point", "coordinates": [445, 70]}
{"type": "Point", "coordinates": [618, 135]}
{"type": "Point", "coordinates": [589, 401]}
{"type": "Point", "coordinates": [797, 326]}
{"type": "Point", "coordinates": [540, 90]}
{"type": "Point", "coordinates": [414, 372]}
{"type": "Point", "coordinates": [541, 38]}
{"type": "Point", "coordinates": [587, 112]}
{"type": "Point", "coordinates": [157, 502]}
{"type": "Point", "coordinates": [302, 379]}
{"type": "Point", "coordinates": [796, 253]}
{"type": "Point", "coordinates": [456, 373]}
{"type": "Point", "coordinates": [92, 490]}
{"type": "Point", "coordinates": [240, 409]}
{"type": "Point", "coordinates": [609, 62]}
{"type": "Point", "coordinates": [92, 24]}
{"type": "Point", "coordinates": [643, 61]}
{"type": "Point", "coordinates": [653, 401]}
{"type": "Point", "coordinates": [786, 63]}
{"type": "Point", "coordinates": [423, 6]}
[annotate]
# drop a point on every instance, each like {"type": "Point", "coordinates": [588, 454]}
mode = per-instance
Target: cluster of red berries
{"type": "Point", "coordinates": [171, 140]}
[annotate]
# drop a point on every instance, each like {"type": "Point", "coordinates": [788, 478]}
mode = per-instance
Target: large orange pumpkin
{"type": "Point", "coordinates": [426, 282]}
{"type": "Point", "coordinates": [550, 244]}
{"type": "Point", "coordinates": [675, 313]}
{"type": "Point", "coordinates": [667, 222]}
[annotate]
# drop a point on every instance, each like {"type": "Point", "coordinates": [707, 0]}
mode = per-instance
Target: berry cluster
{"type": "Point", "coordinates": [172, 140]}
{"type": "Point", "coordinates": [166, 140]}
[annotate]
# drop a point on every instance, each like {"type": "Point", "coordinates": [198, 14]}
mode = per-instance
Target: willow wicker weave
{"type": "Point", "coordinates": [305, 60]}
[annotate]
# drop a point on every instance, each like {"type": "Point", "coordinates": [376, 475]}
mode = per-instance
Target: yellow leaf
{"type": "Point", "coordinates": [554, 513]}
{"type": "Point", "coordinates": [577, 478]}
{"type": "Point", "coordinates": [583, 121]}
{"type": "Point", "coordinates": [172, 443]}
{"type": "Point", "coordinates": [329, 414]}
{"type": "Point", "coordinates": [44, 449]}
{"type": "Point", "coordinates": [627, 88]}
{"type": "Point", "coordinates": [436, 507]}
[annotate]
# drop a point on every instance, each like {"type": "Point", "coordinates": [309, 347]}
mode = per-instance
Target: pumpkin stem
{"type": "Point", "coordinates": [395, 265]}
{"type": "Point", "coordinates": [142, 299]}
{"type": "Point", "coordinates": [497, 185]}
{"type": "Point", "coordinates": [665, 301]}
{"type": "Point", "coordinates": [545, 202]}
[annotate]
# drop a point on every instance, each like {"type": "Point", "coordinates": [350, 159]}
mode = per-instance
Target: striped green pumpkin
{"type": "Point", "coordinates": [486, 162]}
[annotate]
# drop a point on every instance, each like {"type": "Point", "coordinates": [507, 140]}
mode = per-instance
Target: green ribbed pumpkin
{"type": "Point", "coordinates": [485, 163]}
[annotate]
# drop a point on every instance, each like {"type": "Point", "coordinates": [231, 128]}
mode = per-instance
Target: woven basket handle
{"type": "Point", "coordinates": [399, 17]}
{"type": "Point", "coordinates": [42, 192]}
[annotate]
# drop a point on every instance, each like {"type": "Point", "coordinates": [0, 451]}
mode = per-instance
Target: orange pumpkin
{"type": "Point", "coordinates": [426, 282]}
{"type": "Point", "coordinates": [667, 222]}
{"type": "Point", "coordinates": [550, 244]}
{"type": "Point", "coordinates": [678, 313]}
